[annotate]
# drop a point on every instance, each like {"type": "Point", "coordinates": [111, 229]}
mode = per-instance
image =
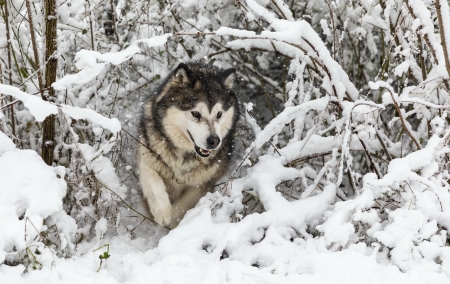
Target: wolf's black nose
{"type": "Point", "coordinates": [212, 141]}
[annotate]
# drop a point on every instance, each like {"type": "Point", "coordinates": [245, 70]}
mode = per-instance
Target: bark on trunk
{"type": "Point", "coordinates": [48, 127]}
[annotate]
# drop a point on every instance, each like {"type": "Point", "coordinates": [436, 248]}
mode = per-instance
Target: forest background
{"type": "Point", "coordinates": [340, 164]}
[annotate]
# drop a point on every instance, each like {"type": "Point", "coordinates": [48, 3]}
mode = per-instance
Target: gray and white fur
{"type": "Point", "coordinates": [187, 126]}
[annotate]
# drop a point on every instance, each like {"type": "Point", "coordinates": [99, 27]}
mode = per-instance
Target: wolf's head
{"type": "Point", "coordinates": [197, 107]}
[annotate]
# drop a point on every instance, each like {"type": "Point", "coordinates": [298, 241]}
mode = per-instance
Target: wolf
{"type": "Point", "coordinates": [186, 131]}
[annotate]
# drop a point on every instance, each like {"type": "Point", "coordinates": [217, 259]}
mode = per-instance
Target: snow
{"type": "Point", "coordinates": [288, 114]}
{"type": "Point", "coordinates": [422, 13]}
{"type": "Point", "coordinates": [86, 62]}
{"type": "Point", "coordinates": [113, 124]}
{"type": "Point", "coordinates": [82, 77]}
{"type": "Point", "coordinates": [234, 32]}
{"type": "Point", "coordinates": [30, 191]}
{"type": "Point", "coordinates": [156, 40]}
{"type": "Point", "coordinates": [294, 33]}
{"type": "Point", "coordinates": [325, 28]}
{"type": "Point", "coordinates": [102, 167]}
{"type": "Point", "coordinates": [39, 108]}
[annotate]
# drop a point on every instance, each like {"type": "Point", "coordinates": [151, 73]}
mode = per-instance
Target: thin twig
{"type": "Point", "coordinates": [34, 45]}
{"type": "Point", "coordinates": [442, 33]}
{"type": "Point", "coordinates": [383, 145]}
{"type": "Point", "coordinates": [8, 50]}
{"type": "Point", "coordinates": [375, 167]}
{"type": "Point", "coordinates": [293, 163]}
{"type": "Point", "coordinates": [279, 9]}
{"type": "Point", "coordinates": [402, 120]}
{"type": "Point", "coordinates": [90, 26]}
{"type": "Point", "coordinates": [9, 104]}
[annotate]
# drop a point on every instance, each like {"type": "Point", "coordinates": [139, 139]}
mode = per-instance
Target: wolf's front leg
{"type": "Point", "coordinates": [154, 190]}
{"type": "Point", "coordinates": [186, 201]}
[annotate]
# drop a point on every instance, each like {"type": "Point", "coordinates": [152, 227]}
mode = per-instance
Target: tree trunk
{"type": "Point", "coordinates": [48, 127]}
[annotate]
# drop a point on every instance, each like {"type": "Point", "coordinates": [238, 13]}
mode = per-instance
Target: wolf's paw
{"type": "Point", "coordinates": [163, 216]}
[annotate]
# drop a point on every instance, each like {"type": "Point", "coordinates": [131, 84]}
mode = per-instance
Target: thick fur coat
{"type": "Point", "coordinates": [186, 128]}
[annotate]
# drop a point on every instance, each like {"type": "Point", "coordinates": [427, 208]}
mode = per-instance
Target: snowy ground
{"type": "Point", "coordinates": [140, 261]}
{"type": "Point", "coordinates": [137, 262]}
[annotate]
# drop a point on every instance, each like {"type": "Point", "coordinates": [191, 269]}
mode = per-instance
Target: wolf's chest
{"type": "Point", "coordinates": [192, 172]}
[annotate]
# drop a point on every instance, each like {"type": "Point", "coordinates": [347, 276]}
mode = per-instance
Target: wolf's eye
{"type": "Point", "coordinates": [219, 114]}
{"type": "Point", "coordinates": [196, 114]}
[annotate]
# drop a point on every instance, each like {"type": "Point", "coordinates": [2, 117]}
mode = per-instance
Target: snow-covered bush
{"type": "Point", "coordinates": [31, 209]}
{"type": "Point", "coordinates": [344, 142]}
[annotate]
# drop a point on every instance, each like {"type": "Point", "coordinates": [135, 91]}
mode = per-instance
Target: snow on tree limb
{"type": "Point", "coordinates": [40, 109]}
{"type": "Point", "coordinates": [86, 62]}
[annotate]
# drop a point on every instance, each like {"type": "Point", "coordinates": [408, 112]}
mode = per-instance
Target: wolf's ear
{"type": "Point", "coordinates": [182, 73]}
{"type": "Point", "coordinates": [228, 77]}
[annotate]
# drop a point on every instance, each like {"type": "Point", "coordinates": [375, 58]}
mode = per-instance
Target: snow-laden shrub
{"type": "Point", "coordinates": [34, 225]}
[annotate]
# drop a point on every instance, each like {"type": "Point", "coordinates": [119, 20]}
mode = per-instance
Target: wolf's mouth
{"type": "Point", "coordinates": [201, 152]}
